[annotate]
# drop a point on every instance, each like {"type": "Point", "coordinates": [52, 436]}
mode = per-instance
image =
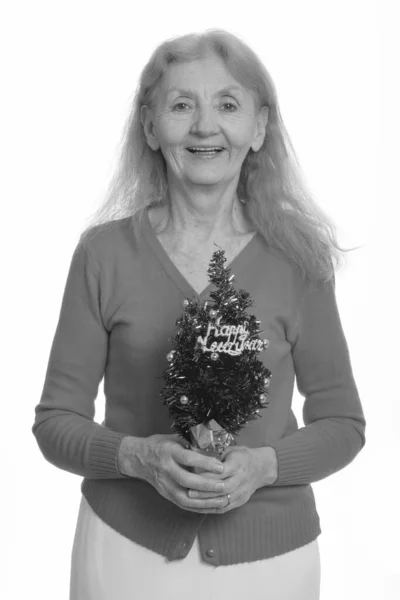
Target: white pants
{"type": "Point", "coordinates": [108, 566]}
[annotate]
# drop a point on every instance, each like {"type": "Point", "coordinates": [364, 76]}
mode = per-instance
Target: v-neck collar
{"type": "Point", "coordinates": [172, 270]}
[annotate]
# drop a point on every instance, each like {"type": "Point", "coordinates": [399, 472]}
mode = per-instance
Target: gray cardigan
{"type": "Point", "coordinates": [122, 297]}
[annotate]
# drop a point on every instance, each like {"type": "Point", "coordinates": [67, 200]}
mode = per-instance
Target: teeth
{"type": "Point", "coordinates": [205, 149]}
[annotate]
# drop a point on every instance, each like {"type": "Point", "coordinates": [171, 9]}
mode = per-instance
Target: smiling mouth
{"type": "Point", "coordinates": [206, 151]}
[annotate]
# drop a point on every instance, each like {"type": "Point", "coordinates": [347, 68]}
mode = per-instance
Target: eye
{"type": "Point", "coordinates": [179, 104]}
{"type": "Point", "coordinates": [230, 104]}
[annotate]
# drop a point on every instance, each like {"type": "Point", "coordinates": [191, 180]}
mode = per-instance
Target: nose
{"type": "Point", "coordinates": [205, 121]}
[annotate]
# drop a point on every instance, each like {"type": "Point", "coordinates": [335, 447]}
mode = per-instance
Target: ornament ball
{"type": "Point", "coordinates": [184, 399]}
{"type": "Point", "coordinates": [214, 356]}
{"type": "Point", "coordinates": [213, 313]}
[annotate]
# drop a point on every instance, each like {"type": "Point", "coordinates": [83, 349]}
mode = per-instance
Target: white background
{"type": "Point", "coordinates": [70, 70]}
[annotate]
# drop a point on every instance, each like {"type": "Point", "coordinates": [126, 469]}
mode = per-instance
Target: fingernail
{"type": "Point", "coordinates": [218, 468]}
{"type": "Point", "coordinates": [192, 494]}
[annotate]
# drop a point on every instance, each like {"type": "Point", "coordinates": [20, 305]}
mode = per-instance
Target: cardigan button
{"type": "Point", "coordinates": [210, 552]}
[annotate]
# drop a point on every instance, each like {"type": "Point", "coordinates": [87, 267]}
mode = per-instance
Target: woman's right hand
{"type": "Point", "coordinates": [163, 461]}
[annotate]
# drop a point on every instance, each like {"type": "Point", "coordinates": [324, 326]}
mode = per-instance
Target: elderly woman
{"type": "Point", "coordinates": [205, 160]}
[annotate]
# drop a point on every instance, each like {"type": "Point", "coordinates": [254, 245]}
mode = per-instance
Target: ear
{"type": "Point", "coordinates": [260, 132]}
{"type": "Point", "coordinates": [146, 119]}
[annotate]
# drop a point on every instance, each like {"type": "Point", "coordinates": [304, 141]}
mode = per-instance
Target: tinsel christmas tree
{"type": "Point", "coordinates": [215, 383]}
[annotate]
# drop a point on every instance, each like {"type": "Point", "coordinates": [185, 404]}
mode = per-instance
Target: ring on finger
{"type": "Point", "coordinates": [229, 499]}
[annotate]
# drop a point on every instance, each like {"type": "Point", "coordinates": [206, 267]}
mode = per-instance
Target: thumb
{"type": "Point", "coordinates": [226, 453]}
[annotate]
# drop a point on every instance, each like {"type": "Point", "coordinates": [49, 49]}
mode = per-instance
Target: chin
{"type": "Point", "coordinates": [205, 176]}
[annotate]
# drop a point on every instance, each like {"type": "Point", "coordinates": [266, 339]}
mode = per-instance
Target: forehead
{"type": "Point", "coordinates": [209, 73]}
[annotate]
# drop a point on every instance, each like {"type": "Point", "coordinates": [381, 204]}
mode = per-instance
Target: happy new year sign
{"type": "Point", "coordinates": [234, 342]}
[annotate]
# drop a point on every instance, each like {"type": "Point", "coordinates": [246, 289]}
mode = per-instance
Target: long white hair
{"type": "Point", "coordinates": [276, 199]}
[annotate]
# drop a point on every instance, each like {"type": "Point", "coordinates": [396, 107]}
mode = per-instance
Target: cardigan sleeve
{"type": "Point", "coordinates": [64, 424]}
{"type": "Point", "coordinates": [334, 431]}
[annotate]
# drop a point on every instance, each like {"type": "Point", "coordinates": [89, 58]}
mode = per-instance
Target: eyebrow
{"type": "Point", "coordinates": [224, 92]}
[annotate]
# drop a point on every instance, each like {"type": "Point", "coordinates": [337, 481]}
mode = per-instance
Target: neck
{"type": "Point", "coordinates": [203, 217]}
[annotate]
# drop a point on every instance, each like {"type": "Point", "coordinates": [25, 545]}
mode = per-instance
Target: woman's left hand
{"type": "Point", "coordinates": [245, 470]}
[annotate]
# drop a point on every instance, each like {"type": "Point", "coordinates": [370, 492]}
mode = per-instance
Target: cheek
{"type": "Point", "coordinates": [240, 133]}
{"type": "Point", "coordinates": [171, 130]}
{"type": "Point", "coordinates": [240, 142]}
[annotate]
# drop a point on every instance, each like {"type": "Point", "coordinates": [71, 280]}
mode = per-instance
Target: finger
{"type": "Point", "coordinates": [220, 508]}
{"type": "Point", "coordinates": [201, 495]}
{"type": "Point", "coordinates": [205, 504]}
{"type": "Point", "coordinates": [230, 485]}
{"type": "Point", "coordinates": [189, 458]}
{"type": "Point", "coordinates": [211, 511]}
{"type": "Point", "coordinates": [197, 482]}
{"type": "Point", "coordinates": [215, 476]}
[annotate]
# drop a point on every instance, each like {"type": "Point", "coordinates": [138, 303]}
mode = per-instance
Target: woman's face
{"type": "Point", "coordinates": [200, 104]}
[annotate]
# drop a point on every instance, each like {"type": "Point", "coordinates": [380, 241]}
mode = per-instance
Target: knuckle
{"type": "Point", "coordinates": [211, 503]}
{"type": "Point", "coordinates": [183, 501]}
{"type": "Point", "coordinates": [176, 475]}
{"type": "Point", "coordinates": [183, 482]}
{"type": "Point", "coordinates": [163, 459]}
{"type": "Point", "coordinates": [184, 458]}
